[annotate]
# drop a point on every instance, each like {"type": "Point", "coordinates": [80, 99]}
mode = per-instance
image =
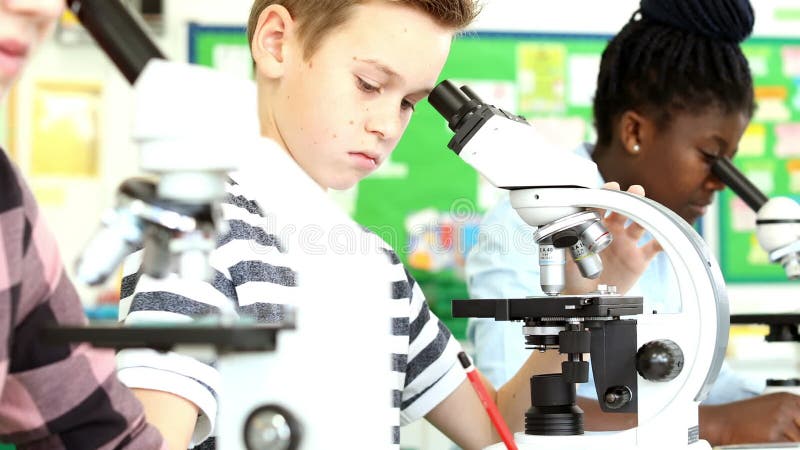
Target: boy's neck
{"type": "Point", "coordinates": [269, 128]}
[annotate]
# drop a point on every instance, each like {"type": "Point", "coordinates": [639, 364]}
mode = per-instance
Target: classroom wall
{"type": "Point", "coordinates": [73, 204]}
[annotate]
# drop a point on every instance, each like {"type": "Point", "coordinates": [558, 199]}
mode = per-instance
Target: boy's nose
{"type": "Point", "coordinates": [386, 124]}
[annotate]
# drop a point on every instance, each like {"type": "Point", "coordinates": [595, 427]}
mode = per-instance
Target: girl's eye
{"type": "Point", "coordinates": [405, 104]}
{"type": "Point", "coordinates": [709, 156]}
{"type": "Point", "coordinates": [366, 87]}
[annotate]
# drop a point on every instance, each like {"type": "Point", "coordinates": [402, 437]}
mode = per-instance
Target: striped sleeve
{"type": "Point", "coordinates": [177, 374]}
{"type": "Point", "coordinates": [173, 300]}
{"type": "Point", "coordinates": [251, 272]}
{"type": "Point", "coordinates": [433, 371]}
{"type": "Point", "coordinates": [54, 396]}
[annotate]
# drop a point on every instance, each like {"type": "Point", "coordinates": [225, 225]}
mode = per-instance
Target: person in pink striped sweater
{"type": "Point", "coordinates": [51, 396]}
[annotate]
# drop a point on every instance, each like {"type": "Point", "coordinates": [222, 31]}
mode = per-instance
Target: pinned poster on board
{"type": "Point", "coordinates": [65, 129]}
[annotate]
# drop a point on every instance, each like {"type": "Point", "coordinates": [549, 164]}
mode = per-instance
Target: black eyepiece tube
{"type": "Point", "coordinates": [118, 34]}
{"type": "Point", "coordinates": [471, 94]}
{"type": "Point", "coordinates": [447, 99]}
{"type": "Point", "coordinates": [724, 169]}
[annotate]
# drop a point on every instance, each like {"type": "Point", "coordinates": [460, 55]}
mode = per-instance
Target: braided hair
{"type": "Point", "coordinates": [672, 56]}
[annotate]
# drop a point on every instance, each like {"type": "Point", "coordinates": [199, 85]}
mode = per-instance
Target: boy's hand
{"type": "Point", "coordinates": [623, 261]}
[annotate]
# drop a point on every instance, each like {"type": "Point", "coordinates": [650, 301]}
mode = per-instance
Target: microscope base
{"type": "Point", "coordinates": [611, 440]}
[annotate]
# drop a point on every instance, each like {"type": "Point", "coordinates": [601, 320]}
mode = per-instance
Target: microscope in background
{"type": "Point", "coordinates": [176, 218]}
{"type": "Point", "coordinates": [777, 219]}
{"type": "Point", "coordinates": [778, 233]}
{"type": "Point", "coordinates": [659, 366]}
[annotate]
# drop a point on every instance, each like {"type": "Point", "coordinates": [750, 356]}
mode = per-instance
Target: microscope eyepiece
{"type": "Point", "coordinates": [449, 101]}
{"type": "Point", "coordinates": [470, 93]}
{"type": "Point", "coordinates": [118, 33]}
{"type": "Point", "coordinates": [724, 169]}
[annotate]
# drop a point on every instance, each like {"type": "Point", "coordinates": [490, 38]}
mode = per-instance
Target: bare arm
{"type": "Point", "coordinates": [461, 416]}
{"type": "Point", "coordinates": [467, 428]}
{"type": "Point", "coordinates": [174, 416]}
{"type": "Point", "coordinates": [766, 418]}
{"type": "Point", "coordinates": [594, 419]}
{"type": "Point", "coordinates": [514, 397]}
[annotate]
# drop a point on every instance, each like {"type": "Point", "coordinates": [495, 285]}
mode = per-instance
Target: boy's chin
{"type": "Point", "coordinates": [343, 184]}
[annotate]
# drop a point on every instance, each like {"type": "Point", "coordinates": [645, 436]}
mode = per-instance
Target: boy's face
{"type": "Point", "coordinates": [340, 113]}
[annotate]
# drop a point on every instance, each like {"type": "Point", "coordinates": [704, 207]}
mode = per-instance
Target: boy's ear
{"type": "Point", "coordinates": [633, 131]}
{"type": "Point", "coordinates": [272, 40]}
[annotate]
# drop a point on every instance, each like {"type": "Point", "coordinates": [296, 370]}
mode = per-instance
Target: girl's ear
{"type": "Point", "coordinates": [633, 131]}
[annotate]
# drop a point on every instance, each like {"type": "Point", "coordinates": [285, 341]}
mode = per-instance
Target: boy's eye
{"type": "Point", "coordinates": [405, 104]}
{"type": "Point", "coordinates": [366, 87]}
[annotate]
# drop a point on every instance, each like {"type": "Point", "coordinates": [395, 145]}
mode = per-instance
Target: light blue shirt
{"type": "Point", "coordinates": [504, 264]}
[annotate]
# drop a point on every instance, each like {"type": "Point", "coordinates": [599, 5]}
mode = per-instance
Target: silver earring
{"type": "Point", "coordinates": [636, 148]}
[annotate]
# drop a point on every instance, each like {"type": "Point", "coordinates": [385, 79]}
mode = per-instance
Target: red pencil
{"type": "Point", "coordinates": [488, 404]}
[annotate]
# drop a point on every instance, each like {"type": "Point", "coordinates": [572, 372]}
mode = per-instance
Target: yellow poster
{"type": "Point", "coordinates": [65, 129]}
{"type": "Point", "coordinates": [541, 78]}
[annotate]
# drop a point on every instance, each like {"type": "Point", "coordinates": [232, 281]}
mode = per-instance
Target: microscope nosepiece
{"type": "Point", "coordinates": [791, 265]}
{"type": "Point", "coordinates": [552, 262]}
{"type": "Point", "coordinates": [596, 237]}
{"type": "Point", "coordinates": [590, 265]}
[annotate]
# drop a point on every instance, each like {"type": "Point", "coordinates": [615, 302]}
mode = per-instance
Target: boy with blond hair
{"type": "Point", "coordinates": [337, 83]}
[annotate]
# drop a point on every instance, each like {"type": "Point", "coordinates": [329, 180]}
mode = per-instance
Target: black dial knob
{"type": "Point", "coordinates": [660, 360]}
{"type": "Point", "coordinates": [272, 427]}
{"type": "Point", "coordinates": [617, 396]}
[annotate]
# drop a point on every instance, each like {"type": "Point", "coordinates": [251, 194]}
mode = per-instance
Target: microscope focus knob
{"type": "Point", "coordinates": [617, 396]}
{"type": "Point", "coordinates": [660, 360]}
{"type": "Point", "coordinates": [272, 427]}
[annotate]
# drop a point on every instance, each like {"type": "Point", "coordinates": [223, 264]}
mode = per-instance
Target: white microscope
{"type": "Point", "coordinates": [660, 366]}
{"type": "Point", "coordinates": [778, 233]}
{"type": "Point", "coordinates": [777, 218]}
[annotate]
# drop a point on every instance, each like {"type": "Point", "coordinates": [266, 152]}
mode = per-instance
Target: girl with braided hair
{"type": "Point", "coordinates": [674, 93]}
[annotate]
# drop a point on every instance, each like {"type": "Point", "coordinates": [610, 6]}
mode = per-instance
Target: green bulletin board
{"type": "Point", "coordinates": [427, 203]}
{"type": "Point", "coordinates": [769, 154]}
